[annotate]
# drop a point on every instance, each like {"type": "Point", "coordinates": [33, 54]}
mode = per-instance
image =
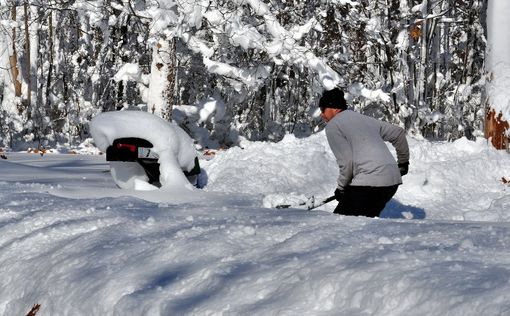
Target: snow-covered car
{"type": "Point", "coordinates": [145, 152]}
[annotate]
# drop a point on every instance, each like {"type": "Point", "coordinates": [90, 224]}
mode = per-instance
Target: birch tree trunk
{"type": "Point", "coordinates": [162, 79]}
{"type": "Point", "coordinates": [27, 56]}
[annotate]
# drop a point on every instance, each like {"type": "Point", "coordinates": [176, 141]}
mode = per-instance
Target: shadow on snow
{"type": "Point", "coordinates": [395, 209]}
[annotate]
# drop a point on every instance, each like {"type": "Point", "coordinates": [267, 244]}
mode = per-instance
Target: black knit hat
{"type": "Point", "coordinates": [333, 99]}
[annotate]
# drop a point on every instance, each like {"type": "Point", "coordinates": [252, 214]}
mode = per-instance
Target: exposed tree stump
{"type": "Point", "coordinates": [496, 128]}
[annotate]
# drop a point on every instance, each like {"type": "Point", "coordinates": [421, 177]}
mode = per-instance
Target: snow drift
{"type": "Point", "coordinates": [173, 146]}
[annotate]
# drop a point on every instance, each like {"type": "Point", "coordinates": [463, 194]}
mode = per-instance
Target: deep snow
{"type": "Point", "coordinates": [76, 244]}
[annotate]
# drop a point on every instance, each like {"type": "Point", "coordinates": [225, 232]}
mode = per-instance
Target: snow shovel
{"type": "Point", "coordinates": [311, 203]}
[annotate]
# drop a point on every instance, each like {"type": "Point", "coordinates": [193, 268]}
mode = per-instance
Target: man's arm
{"type": "Point", "coordinates": [397, 137]}
{"type": "Point", "coordinates": [343, 154]}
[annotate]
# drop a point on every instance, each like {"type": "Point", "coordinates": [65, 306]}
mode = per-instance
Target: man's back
{"type": "Point", "coordinates": [357, 142]}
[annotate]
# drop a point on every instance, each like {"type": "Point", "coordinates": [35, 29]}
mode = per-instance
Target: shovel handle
{"type": "Point", "coordinates": [329, 199]}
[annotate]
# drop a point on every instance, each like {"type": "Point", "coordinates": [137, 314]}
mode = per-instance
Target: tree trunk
{"type": "Point", "coordinates": [162, 79]}
{"type": "Point", "coordinates": [498, 65]}
{"type": "Point", "coordinates": [50, 61]}
{"type": "Point", "coordinates": [171, 81]}
{"type": "Point", "coordinates": [27, 56]}
{"type": "Point", "coordinates": [495, 130]}
{"type": "Point", "coordinates": [13, 59]}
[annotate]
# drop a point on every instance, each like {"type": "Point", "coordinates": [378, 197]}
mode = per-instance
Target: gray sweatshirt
{"type": "Point", "coordinates": [357, 141]}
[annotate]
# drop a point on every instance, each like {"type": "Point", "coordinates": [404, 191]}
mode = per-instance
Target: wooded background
{"type": "Point", "coordinates": [60, 59]}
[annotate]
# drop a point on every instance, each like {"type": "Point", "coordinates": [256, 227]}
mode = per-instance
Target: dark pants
{"type": "Point", "coordinates": [365, 201]}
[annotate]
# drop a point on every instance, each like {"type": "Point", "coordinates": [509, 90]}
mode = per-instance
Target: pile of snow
{"type": "Point", "coordinates": [463, 180]}
{"type": "Point", "coordinates": [221, 250]}
{"type": "Point", "coordinates": [281, 173]}
{"type": "Point", "coordinates": [173, 146]}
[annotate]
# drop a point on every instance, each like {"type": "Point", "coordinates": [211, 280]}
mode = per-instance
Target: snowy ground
{"type": "Point", "coordinates": [76, 244]}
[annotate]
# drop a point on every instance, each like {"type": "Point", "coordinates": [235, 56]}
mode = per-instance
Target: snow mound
{"type": "Point", "coordinates": [284, 173]}
{"type": "Point", "coordinates": [456, 181]}
{"type": "Point", "coordinates": [173, 146]}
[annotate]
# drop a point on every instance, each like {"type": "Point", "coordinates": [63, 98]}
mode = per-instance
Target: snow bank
{"type": "Point", "coordinates": [456, 181]}
{"type": "Point", "coordinates": [283, 172]}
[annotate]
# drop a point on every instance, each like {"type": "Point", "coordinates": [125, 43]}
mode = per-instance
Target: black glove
{"type": "Point", "coordinates": [339, 195]}
{"type": "Point", "coordinates": [404, 168]}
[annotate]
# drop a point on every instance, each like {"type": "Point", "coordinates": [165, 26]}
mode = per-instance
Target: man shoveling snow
{"type": "Point", "coordinates": [369, 175]}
